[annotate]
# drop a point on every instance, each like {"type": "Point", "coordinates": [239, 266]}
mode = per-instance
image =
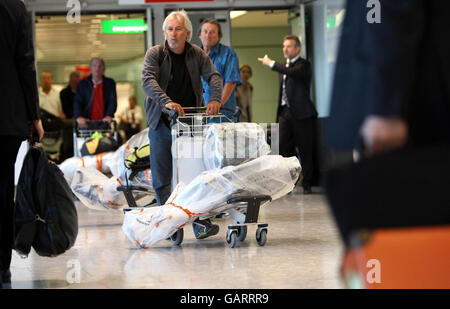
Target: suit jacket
{"type": "Point", "coordinates": [298, 82]}
{"type": "Point", "coordinates": [67, 96]}
{"type": "Point", "coordinates": [85, 95]}
{"type": "Point", "coordinates": [156, 78]}
{"type": "Point", "coordinates": [399, 67]}
{"type": "Point", "coordinates": [18, 84]}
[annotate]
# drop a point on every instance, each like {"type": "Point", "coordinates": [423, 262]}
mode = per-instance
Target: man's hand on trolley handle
{"type": "Point", "coordinates": [177, 107]}
{"type": "Point", "coordinates": [213, 108]}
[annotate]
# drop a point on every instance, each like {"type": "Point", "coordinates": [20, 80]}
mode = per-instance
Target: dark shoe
{"type": "Point", "coordinates": [307, 190]}
{"type": "Point", "coordinates": [6, 276]}
{"type": "Point", "coordinates": [204, 228]}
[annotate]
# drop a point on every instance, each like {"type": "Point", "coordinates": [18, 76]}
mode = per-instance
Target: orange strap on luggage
{"type": "Point", "coordinates": [187, 211]}
{"type": "Point", "coordinates": [99, 158]}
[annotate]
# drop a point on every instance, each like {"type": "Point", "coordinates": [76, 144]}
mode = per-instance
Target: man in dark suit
{"type": "Point", "coordinates": [19, 114]}
{"type": "Point", "coordinates": [296, 112]}
{"type": "Point", "coordinates": [391, 101]}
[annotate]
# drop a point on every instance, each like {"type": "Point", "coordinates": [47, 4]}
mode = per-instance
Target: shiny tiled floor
{"type": "Point", "coordinates": [303, 250]}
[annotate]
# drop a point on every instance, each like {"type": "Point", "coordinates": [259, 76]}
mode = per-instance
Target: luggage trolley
{"type": "Point", "coordinates": [81, 134]}
{"type": "Point", "coordinates": [243, 209]}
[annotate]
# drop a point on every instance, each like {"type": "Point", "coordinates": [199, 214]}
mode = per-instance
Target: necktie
{"type": "Point", "coordinates": [284, 97]}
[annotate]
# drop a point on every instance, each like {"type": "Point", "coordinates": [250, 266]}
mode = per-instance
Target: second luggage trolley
{"type": "Point", "coordinates": [81, 134]}
{"type": "Point", "coordinates": [243, 209]}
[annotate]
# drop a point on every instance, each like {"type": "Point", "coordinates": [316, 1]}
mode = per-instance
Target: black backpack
{"type": "Point", "coordinates": [93, 146]}
{"type": "Point", "coordinates": [45, 216]}
{"type": "Point", "coordinates": [50, 122]}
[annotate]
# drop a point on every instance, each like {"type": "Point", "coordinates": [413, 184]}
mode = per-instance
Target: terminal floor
{"type": "Point", "coordinates": [303, 250]}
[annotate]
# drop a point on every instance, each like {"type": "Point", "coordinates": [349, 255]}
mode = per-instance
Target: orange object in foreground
{"type": "Point", "coordinates": [399, 258]}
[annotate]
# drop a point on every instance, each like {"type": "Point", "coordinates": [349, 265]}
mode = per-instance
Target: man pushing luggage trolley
{"type": "Point", "coordinates": [171, 78]}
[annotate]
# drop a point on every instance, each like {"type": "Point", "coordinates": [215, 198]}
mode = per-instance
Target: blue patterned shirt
{"type": "Point", "coordinates": [226, 62]}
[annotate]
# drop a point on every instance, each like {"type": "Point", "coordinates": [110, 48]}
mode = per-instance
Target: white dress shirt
{"type": "Point", "coordinates": [284, 97]}
{"type": "Point", "coordinates": [50, 102]}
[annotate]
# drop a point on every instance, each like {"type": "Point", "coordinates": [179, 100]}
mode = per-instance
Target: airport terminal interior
{"type": "Point", "coordinates": [303, 249]}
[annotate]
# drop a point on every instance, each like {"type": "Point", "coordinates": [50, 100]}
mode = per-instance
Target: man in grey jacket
{"type": "Point", "coordinates": [171, 78]}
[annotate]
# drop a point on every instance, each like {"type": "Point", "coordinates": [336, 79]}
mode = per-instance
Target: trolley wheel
{"type": "Point", "coordinates": [261, 236]}
{"type": "Point", "coordinates": [242, 233]}
{"type": "Point", "coordinates": [177, 237]}
{"type": "Point", "coordinates": [232, 239]}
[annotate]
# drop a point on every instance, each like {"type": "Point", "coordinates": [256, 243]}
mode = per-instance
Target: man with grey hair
{"type": "Point", "coordinates": [171, 78]}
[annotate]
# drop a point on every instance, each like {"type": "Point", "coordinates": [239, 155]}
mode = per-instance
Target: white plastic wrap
{"type": "Point", "coordinates": [107, 162]}
{"type": "Point", "coordinates": [99, 161]}
{"type": "Point", "coordinates": [96, 191]}
{"type": "Point", "coordinates": [233, 144]}
{"type": "Point", "coordinates": [115, 164]}
{"type": "Point", "coordinates": [267, 175]}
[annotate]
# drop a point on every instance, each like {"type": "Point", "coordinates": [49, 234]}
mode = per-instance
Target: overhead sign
{"type": "Point", "coordinates": [140, 2]}
{"type": "Point", "coordinates": [121, 26]}
{"type": "Point", "coordinates": [155, 1]}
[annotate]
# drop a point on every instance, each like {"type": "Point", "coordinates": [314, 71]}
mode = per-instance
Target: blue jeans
{"type": "Point", "coordinates": [161, 161]}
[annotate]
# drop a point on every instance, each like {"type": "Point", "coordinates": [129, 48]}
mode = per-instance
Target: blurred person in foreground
{"type": "Point", "coordinates": [391, 105]}
{"type": "Point", "coordinates": [20, 115]}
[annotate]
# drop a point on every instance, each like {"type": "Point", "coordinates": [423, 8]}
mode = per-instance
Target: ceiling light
{"type": "Point", "coordinates": [340, 17]}
{"type": "Point", "coordinates": [235, 14]}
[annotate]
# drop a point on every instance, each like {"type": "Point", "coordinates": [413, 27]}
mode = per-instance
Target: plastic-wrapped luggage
{"type": "Point", "coordinates": [101, 161]}
{"type": "Point", "coordinates": [268, 175]}
{"type": "Point", "coordinates": [96, 191]}
{"type": "Point", "coordinates": [233, 144]}
{"type": "Point", "coordinates": [45, 216]}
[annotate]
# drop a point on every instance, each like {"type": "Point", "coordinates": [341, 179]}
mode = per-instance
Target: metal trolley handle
{"type": "Point", "coordinates": [173, 114]}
